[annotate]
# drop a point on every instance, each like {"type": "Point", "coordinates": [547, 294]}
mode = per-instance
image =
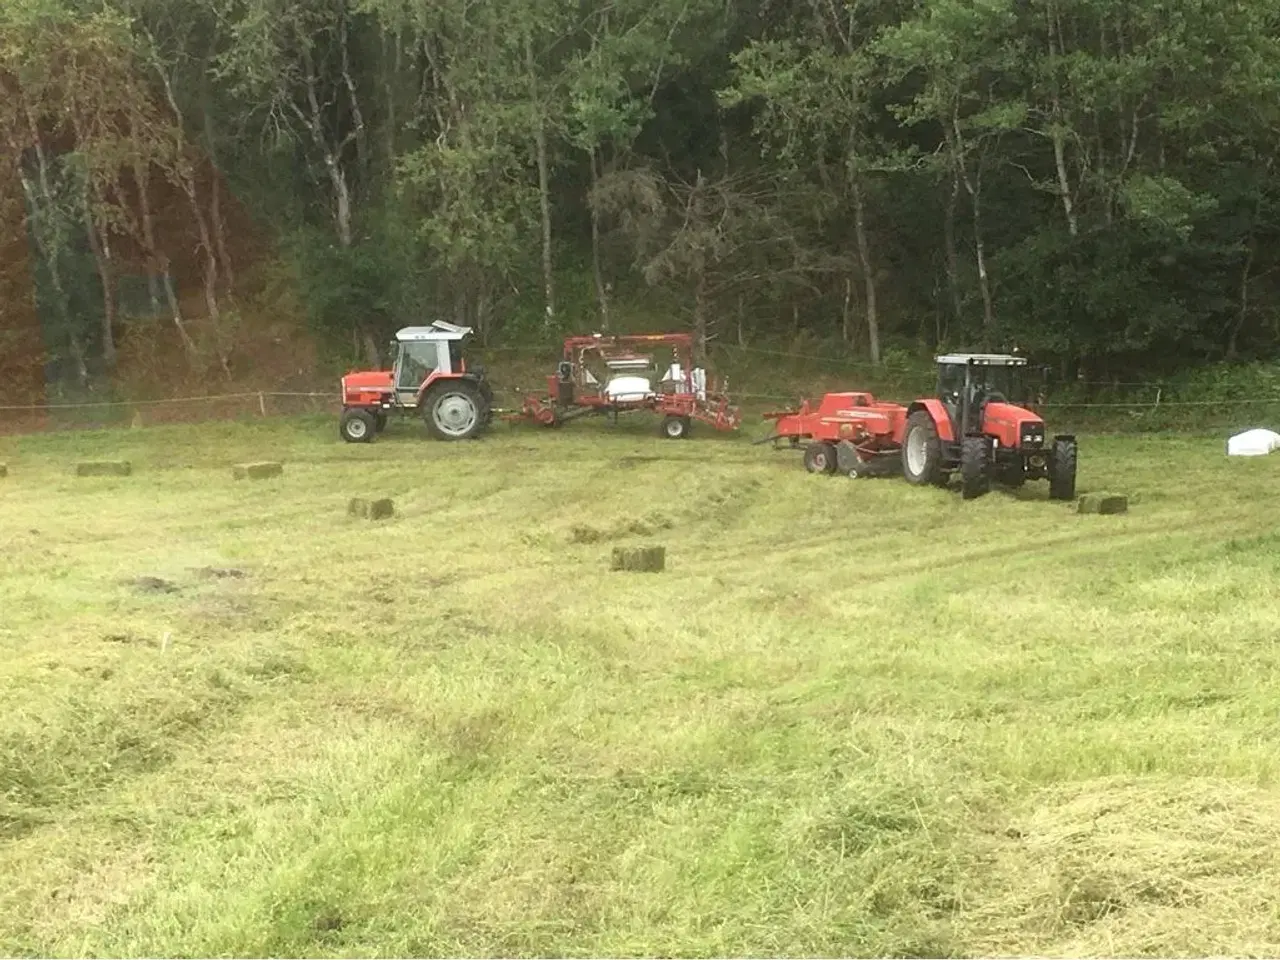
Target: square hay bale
{"type": "Point", "coordinates": [1103, 503]}
{"type": "Point", "coordinates": [257, 471]}
{"type": "Point", "coordinates": [371, 509]}
{"type": "Point", "coordinates": [104, 468]}
{"type": "Point", "coordinates": [639, 559]}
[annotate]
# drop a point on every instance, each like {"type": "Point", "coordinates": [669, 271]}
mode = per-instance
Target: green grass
{"type": "Point", "coordinates": [850, 718]}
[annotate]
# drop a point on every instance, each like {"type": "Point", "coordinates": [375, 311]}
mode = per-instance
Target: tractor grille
{"type": "Point", "coordinates": [1032, 435]}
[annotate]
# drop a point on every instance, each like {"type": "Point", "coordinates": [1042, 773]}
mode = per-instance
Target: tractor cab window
{"type": "Point", "coordinates": [1002, 384]}
{"type": "Point", "coordinates": [417, 360]}
{"type": "Point", "coordinates": [951, 383]}
{"type": "Point", "coordinates": [455, 356]}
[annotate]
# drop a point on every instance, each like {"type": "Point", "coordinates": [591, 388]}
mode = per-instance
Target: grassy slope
{"type": "Point", "coordinates": [851, 718]}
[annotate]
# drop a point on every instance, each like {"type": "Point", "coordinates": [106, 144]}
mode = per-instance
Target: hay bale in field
{"type": "Point", "coordinates": [371, 509]}
{"type": "Point", "coordinates": [640, 559]}
{"type": "Point", "coordinates": [257, 471]}
{"type": "Point", "coordinates": [1103, 503]}
{"type": "Point", "coordinates": [104, 468]}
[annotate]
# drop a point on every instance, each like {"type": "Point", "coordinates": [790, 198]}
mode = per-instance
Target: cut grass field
{"type": "Point", "coordinates": [851, 717]}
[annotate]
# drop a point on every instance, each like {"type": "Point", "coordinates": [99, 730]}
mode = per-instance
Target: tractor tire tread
{"type": "Point", "coordinates": [1062, 469]}
{"type": "Point", "coordinates": [975, 466]}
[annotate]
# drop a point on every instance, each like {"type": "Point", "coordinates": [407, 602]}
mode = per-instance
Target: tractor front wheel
{"type": "Point", "coordinates": [975, 466]}
{"type": "Point", "coordinates": [454, 410]}
{"type": "Point", "coordinates": [675, 428]}
{"type": "Point", "coordinates": [357, 426]}
{"type": "Point", "coordinates": [922, 451]}
{"type": "Point", "coordinates": [1062, 469]}
{"type": "Point", "coordinates": [820, 458]}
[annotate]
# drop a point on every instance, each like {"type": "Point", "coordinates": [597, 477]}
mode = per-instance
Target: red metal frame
{"type": "Point", "coordinates": [874, 428]}
{"type": "Point", "coordinates": [569, 398]}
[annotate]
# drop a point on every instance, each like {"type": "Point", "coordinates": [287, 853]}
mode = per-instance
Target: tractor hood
{"type": "Point", "coordinates": [1008, 414]}
{"type": "Point", "coordinates": [1013, 426]}
{"type": "Point", "coordinates": [367, 388]}
{"type": "Point", "coordinates": [368, 380]}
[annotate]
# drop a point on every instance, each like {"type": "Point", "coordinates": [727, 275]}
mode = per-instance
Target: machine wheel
{"type": "Point", "coordinates": [454, 410]}
{"type": "Point", "coordinates": [357, 426]}
{"type": "Point", "coordinates": [922, 451]}
{"type": "Point", "coordinates": [380, 422]}
{"type": "Point", "coordinates": [675, 428]}
{"type": "Point", "coordinates": [820, 458]}
{"type": "Point", "coordinates": [1062, 469]}
{"type": "Point", "coordinates": [975, 466]}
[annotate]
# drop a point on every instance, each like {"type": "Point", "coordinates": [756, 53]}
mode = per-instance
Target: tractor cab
{"type": "Point", "coordinates": [967, 382]}
{"type": "Point", "coordinates": [423, 351]}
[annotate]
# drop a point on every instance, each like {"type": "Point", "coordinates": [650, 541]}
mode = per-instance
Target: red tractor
{"type": "Point", "coordinates": [971, 426]}
{"type": "Point", "coordinates": [609, 375]}
{"type": "Point", "coordinates": [430, 377]}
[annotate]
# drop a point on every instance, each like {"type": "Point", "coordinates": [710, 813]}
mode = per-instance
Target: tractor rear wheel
{"type": "Point", "coordinates": [1062, 469]}
{"type": "Point", "coordinates": [820, 458]}
{"type": "Point", "coordinates": [454, 410]}
{"type": "Point", "coordinates": [675, 428]}
{"type": "Point", "coordinates": [357, 426]}
{"type": "Point", "coordinates": [922, 451]}
{"type": "Point", "coordinates": [975, 467]}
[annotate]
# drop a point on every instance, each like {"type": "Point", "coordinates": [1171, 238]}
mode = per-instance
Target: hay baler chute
{"type": "Point", "coordinates": [610, 375]}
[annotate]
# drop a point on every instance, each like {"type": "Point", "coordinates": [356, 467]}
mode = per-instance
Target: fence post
{"type": "Point", "coordinates": [262, 403]}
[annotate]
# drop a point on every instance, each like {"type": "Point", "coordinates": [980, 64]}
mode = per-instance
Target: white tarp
{"type": "Point", "coordinates": [1253, 443]}
{"type": "Point", "coordinates": [628, 389]}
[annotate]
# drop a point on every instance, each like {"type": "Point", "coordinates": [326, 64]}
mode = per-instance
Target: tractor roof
{"type": "Point", "coordinates": [984, 359]}
{"type": "Point", "coordinates": [439, 330]}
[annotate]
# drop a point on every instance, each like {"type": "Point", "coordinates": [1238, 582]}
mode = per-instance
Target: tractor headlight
{"type": "Point", "coordinates": [1031, 435]}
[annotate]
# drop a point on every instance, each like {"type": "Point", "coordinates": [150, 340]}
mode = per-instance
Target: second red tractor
{"type": "Point", "coordinates": [972, 426]}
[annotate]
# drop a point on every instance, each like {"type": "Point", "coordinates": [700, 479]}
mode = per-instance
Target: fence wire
{"type": "Point", "coordinates": [269, 403]}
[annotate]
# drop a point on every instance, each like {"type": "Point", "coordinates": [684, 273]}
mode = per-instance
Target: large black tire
{"type": "Point", "coordinates": [922, 451]}
{"type": "Point", "coordinates": [454, 410]}
{"type": "Point", "coordinates": [975, 467]}
{"type": "Point", "coordinates": [675, 428]}
{"type": "Point", "coordinates": [357, 426]}
{"type": "Point", "coordinates": [820, 458]}
{"type": "Point", "coordinates": [1062, 469]}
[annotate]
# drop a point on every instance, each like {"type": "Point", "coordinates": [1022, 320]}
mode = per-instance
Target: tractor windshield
{"type": "Point", "coordinates": [1002, 384]}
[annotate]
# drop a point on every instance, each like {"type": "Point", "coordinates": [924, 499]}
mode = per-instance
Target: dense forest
{"type": "Point", "coordinates": [1092, 181]}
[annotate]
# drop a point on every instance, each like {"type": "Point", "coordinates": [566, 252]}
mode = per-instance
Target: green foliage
{"type": "Point", "coordinates": [1093, 178]}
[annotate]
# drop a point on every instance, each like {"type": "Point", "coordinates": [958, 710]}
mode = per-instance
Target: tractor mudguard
{"type": "Point", "coordinates": [939, 414]}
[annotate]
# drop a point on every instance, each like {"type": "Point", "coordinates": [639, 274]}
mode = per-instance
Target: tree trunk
{"type": "Point", "coordinates": [984, 284]}
{"type": "Point", "coordinates": [357, 116]}
{"type": "Point", "coordinates": [973, 185]}
{"type": "Point", "coordinates": [185, 176]}
{"type": "Point", "coordinates": [700, 317]}
{"type": "Point", "coordinates": [1056, 133]}
{"type": "Point", "coordinates": [868, 269]}
{"type": "Point", "coordinates": [215, 204]}
{"type": "Point", "coordinates": [101, 250]}
{"type": "Point", "coordinates": [602, 294]}
{"type": "Point", "coordinates": [544, 187]}
{"type": "Point", "coordinates": [953, 258]}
